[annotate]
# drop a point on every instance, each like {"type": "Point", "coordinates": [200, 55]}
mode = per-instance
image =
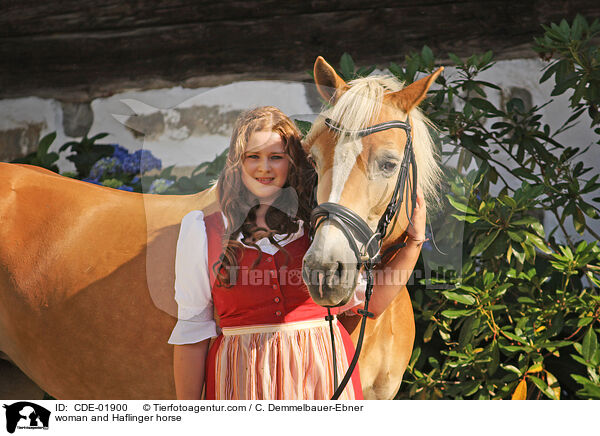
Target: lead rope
{"type": "Point", "coordinates": [329, 318]}
{"type": "Point", "coordinates": [364, 313]}
{"type": "Point", "coordinates": [369, 272]}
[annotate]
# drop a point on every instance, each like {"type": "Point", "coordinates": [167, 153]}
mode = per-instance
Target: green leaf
{"type": "Point", "coordinates": [579, 221]}
{"type": "Point", "coordinates": [590, 344]}
{"type": "Point", "coordinates": [468, 218]}
{"type": "Point", "coordinates": [589, 387]}
{"type": "Point", "coordinates": [428, 332]}
{"type": "Point", "coordinates": [455, 59]}
{"type": "Point", "coordinates": [582, 322]}
{"type": "Point", "coordinates": [470, 387]}
{"type": "Point", "coordinates": [460, 207]}
{"type": "Point", "coordinates": [347, 66]}
{"type": "Point", "coordinates": [427, 55]}
{"type": "Point", "coordinates": [527, 300]}
{"type": "Point", "coordinates": [508, 201]}
{"type": "Point", "coordinates": [303, 126]}
{"type": "Point", "coordinates": [45, 143]}
{"type": "Point", "coordinates": [414, 357]}
{"type": "Point", "coordinates": [519, 255]}
{"type": "Point", "coordinates": [98, 136]}
{"type": "Point", "coordinates": [484, 243]}
{"type": "Point", "coordinates": [589, 210]}
{"type": "Point", "coordinates": [522, 172]}
{"type": "Point", "coordinates": [396, 70]}
{"type": "Point", "coordinates": [516, 236]}
{"type": "Point", "coordinates": [556, 324]}
{"type": "Point", "coordinates": [464, 299]}
{"type": "Point", "coordinates": [550, 70]}
{"type": "Point", "coordinates": [512, 369]}
{"type": "Point", "coordinates": [454, 313]}
{"type": "Point", "coordinates": [484, 105]}
{"type": "Point", "coordinates": [542, 386]}
{"type": "Point", "coordinates": [466, 332]}
{"type": "Point", "coordinates": [538, 242]}
{"type": "Point", "coordinates": [495, 355]}
{"type": "Point", "coordinates": [515, 337]}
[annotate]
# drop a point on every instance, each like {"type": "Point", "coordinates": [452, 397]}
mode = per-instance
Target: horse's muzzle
{"type": "Point", "coordinates": [330, 284]}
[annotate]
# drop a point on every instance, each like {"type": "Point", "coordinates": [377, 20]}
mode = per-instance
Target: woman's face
{"type": "Point", "coordinates": [265, 165]}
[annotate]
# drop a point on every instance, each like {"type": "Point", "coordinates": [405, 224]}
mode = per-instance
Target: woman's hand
{"type": "Point", "coordinates": [416, 230]}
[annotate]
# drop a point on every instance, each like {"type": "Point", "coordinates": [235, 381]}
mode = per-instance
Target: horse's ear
{"type": "Point", "coordinates": [329, 84]}
{"type": "Point", "coordinates": [409, 97]}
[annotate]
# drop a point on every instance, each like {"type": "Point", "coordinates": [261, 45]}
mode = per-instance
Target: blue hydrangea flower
{"type": "Point", "coordinates": [104, 166]}
{"type": "Point", "coordinates": [141, 161]}
{"type": "Point", "coordinates": [159, 186]}
{"type": "Point", "coordinates": [120, 153]}
{"type": "Point", "coordinates": [125, 188]}
{"type": "Point", "coordinates": [131, 165]}
{"type": "Point", "coordinates": [135, 180]}
{"type": "Point", "coordinates": [148, 161]}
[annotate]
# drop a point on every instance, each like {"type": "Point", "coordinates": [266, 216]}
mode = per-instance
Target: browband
{"type": "Point", "coordinates": [369, 130]}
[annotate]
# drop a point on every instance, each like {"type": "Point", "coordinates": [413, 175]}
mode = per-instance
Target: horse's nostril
{"type": "Point", "coordinates": [340, 268]}
{"type": "Point", "coordinates": [320, 279]}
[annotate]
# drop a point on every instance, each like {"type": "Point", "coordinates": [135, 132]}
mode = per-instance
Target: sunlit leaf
{"type": "Point", "coordinates": [520, 392]}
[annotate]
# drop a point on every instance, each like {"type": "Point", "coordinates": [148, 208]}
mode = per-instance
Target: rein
{"type": "Point", "coordinates": [355, 228]}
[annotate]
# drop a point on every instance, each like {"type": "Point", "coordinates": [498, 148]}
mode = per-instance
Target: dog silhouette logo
{"type": "Point", "coordinates": [26, 415]}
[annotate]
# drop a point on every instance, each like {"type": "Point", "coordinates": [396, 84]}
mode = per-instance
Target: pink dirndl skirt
{"type": "Point", "coordinates": [291, 361]}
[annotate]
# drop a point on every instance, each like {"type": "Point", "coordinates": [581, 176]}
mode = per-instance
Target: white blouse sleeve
{"type": "Point", "coordinates": [192, 283]}
{"type": "Point", "coordinates": [358, 298]}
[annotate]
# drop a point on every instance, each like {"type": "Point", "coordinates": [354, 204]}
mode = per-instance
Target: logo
{"type": "Point", "coordinates": [26, 415]}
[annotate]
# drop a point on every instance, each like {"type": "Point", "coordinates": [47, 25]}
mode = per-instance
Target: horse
{"type": "Point", "coordinates": [86, 288]}
{"type": "Point", "coordinates": [86, 284]}
{"type": "Point", "coordinates": [351, 174]}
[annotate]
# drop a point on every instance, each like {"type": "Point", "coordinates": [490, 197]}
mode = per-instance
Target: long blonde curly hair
{"type": "Point", "coordinates": [239, 205]}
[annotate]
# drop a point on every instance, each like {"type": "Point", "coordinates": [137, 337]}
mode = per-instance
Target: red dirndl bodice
{"type": "Point", "coordinates": [271, 293]}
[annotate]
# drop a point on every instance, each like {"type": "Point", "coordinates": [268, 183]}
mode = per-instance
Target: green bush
{"type": "Point", "coordinates": [521, 318]}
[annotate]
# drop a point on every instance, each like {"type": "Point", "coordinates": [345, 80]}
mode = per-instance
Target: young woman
{"type": "Point", "coordinates": [242, 266]}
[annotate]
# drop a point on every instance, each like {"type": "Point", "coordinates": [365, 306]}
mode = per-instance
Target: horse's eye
{"type": "Point", "coordinates": [388, 166]}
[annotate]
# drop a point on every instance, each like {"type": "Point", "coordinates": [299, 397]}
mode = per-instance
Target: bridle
{"type": "Point", "coordinates": [355, 228]}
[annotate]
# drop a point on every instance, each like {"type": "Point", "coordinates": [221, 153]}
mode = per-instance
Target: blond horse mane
{"type": "Point", "coordinates": [360, 106]}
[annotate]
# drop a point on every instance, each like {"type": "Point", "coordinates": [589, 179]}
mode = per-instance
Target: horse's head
{"type": "Point", "coordinates": [360, 171]}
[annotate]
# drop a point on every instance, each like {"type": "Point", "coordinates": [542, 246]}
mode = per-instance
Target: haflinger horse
{"type": "Point", "coordinates": [87, 275]}
{"type": "Point", "coordinates": [358, 148]}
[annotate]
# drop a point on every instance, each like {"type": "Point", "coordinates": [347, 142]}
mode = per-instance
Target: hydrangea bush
{"type": "Point", "coordinates": [123, 170]}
